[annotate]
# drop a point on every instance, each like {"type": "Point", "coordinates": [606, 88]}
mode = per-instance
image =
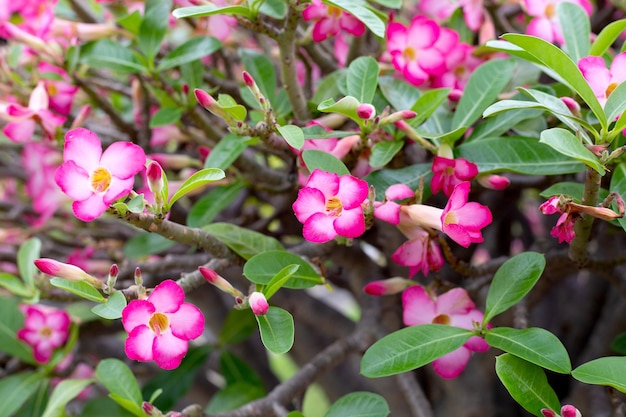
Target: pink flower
{"type": "Point", "coordinates": [330, 20]}
{"type": "Point", "coordinates": [413, 51]}
{"type": "Point", "coordinates": [448, 173]}
{"type": "Point", "coordinates": [602, 80]}
{"type": "Point", "coordinates": [45, 329]}
{"type": "Point", "coordinates": [330, 206]}
{"type": "Point", "coordinates": [441, 10]}
{"type": "Point", "coordinates": [566, 411]}
{"type": "Point", "coordinates": [160, 327]}
{"type": "Point", "coordinates": [454, 308]}
{"type": "Point", "coordinates": [60, 92]}
{"type": "Point", "coordinates": [389, 210]}
{"type": "Point", "coordinates": [564, 228]}
{"type": "Point", "coordinates": [66, 271]}
{"type": "Point", "coordinates": [545, 21]}
{"type": "Point", "coordinates": [460, 64]}
{"type": "Point", "coordinates": [420, 253]}
{"type": "Point", "coordinates": [258, 303]}
{"type": "Point", "coordinates": [40, 162]}
{"type": "Point", "coordinates": [95, 179]}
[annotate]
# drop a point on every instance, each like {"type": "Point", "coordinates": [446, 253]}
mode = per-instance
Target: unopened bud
{"type": "Point", "coordinates": [220, 282]}
{"type": "Point", "coordinates": [366, 111]}
{"type": "Point", "coordinates": [247, 78]}
{"type": "Point", "coordinates": [569, 411]}
{"type": "Point", "coordinates": [138, 277]}
{"type": "Point", "coordinates": [389, 286]}
{"type": "Point", "coordinates": [547, 412]}
{"type": "Point", "coordinates": [493, 181]}
{"type": "Point", "coordinates": [66, 271]}
{"type": "Point", "coordinates": [113, 273]}
{"type": "Point", "coordinates": [398, 117]}
{"type": "Point", "coordinates": [258, 303]}
{"type": "Point", "coordinates": [185, 88]}
{"type": "Point", "coordinates": [154, 173]}
{"type": "Point", "coordinates": [572, 105]}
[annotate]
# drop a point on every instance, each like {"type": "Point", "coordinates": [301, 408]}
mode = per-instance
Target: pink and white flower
{"type": "Point", "coordinates": [545, 21]}
{"type": "Point", "coordinates": [448, 173]}
{"type": "Point", "coordinates": [60, 92]}
{"type": "Point", "coordinates": [329, 205]}
{"type": "Point", "coordinates": [564, 228]}
{"type": "Point", "coordinates": [45, 329]}
{"type": "Point", "coordinates": [160, 327]}
{"type": "Point", "coordinates": [441, 10]}
{"type": "Point", "coordinates": [566, 411]}
{"type": "Point", "coordinates": [330, 21]}
{"type": "Point", "coordinates": [95, 179]}
{"type": "Point", "coordinates": [420, 253]}
{"type": "Point", "coordinates": [258, 303]}
{"type": "Point", "coordinates": [601, 79]}
{"type": "Point", "coordinates": [453, 308]}
{"type": "Point", "coordinates": [388, 210]}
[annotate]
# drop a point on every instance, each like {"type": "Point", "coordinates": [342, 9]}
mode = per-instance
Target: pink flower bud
{"type": "Point", "coordinates": [387, 286]}
{"type": "Point", "coordinates": [185, 88]}
{"type": "Point", "coordinates": [547, 412]}
{"type": "Point", "coordinates": [493, 181]}
{"type": "Point", "coordinates": [205, 99]}
{"type": "Point", "coordinates": [219, 281]}
{"type": "Point", "coordinates": [138, 277]}
{"type": "Point", "coordinates": [247, 78]}
{"type": "Point", "coordinates": [114, 271]}
{"type": "Point", "coordinates": [572, 105]}
{"type": "Point", "coordinates": [66, 271]}
{"type": "Point", "coordinates": [569, 411]}
{"type": "Point", "coordinates": [366, 111]}
{"type": "Point", "coordinates": [258, 303]}
{"type": "Point", "coordinates": [154, 172]}
{"type": "Point", "coordinates": [147, 408]}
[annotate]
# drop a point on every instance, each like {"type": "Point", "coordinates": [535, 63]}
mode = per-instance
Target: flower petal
{"type": "Point", "coordinates": [117, 188]}
{"type": "Point", "coordinates": [454, 302]}
{"type": "Point", "coordinates": [417, 306]}
{"type": "Point", "coordinates": [451, 365]}
{"type": "Point", "coordinates": [58, 320]}
{"type": "Point", "coordinates": [187, 323]}
{"type": "Point", "coordinates": [389, 212]}
{"type": "Point", "coordinates": [136, 313]}
{"type": "Point", "coordinates": [138, 345]}
{"type": "Point", "coordinates": [310, 201]}
{"type": "Point", "coordinates": [326, 182]}
{"type": "Point", "coordinates": [123, 159]}
{"type": "Point", "coordinates": [83, 147]}
{"type": "Point", "coordinates": [20, 131]}
{"type": "Point", "coordinates": [351, 223]}
{"type": "Point", "coordinates": [73, 181]}
{"type": "Point", "coordinates": [89, 209]}
{"type": "Point", "coordinates": [319, 228]}
{"type": "Point", "coordinates": [352, 191]}
{"type": "Point", "coordinates": [399, 192]}
{"type": "Point", "coordinates": [167, 297]}
{"type": "Point", "coordinates": [169, 350]}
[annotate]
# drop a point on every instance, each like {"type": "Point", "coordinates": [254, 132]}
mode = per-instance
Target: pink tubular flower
{"type": "Point", "coordinates": [388, 286]}
{"type": "Point", "coordinates": [448, 173]}
{"type": "Point", "coordinates": [545, 21]}
{"type": "Point", "coordinates": [330, 20]}
{"type": "Point", "coordinates": [413, 51]}
{"type": "Point", "coordinates": [419, 253]}
{"type": "Point", "coordinates": [45, 329]}
{"type": "Point", "coordinates": [66, 271]}
{"type": "Point", "coordinates": [454, 308]}
{"type": "Point", "coordinates": [160, 327]}
{"type": "Point", "coordinates": [95, 179]}
{"type": "Point", "coordinates": [602, 80]}
{"type": "Point", "coordinates": [389, 210]}
{"type": "Point", "coordinates": [564, 228]}
{"type": "Point", "coordinates": [330, 205]}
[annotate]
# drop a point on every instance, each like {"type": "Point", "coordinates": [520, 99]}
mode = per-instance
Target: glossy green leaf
{"type": "Point", "coordinates": [12, 321]}
{"type": "Point", "coordinates": [279, 280]}
{"type": "Point", "coordinates": [609, 371]}
{"type": "Point", "coordinates": [426, 105]}
{"type": "Point", "coordinates": [362, 79]}
{"type": "Point", "coordinates": [211, 204]}
{"type": "Point", "coordinates": [122, 385]}
{"type": "Point", "coordinates": [63, 393]}
{"type": "Point", "coordinates": [226, 151]}
{"type": "Point", "coordinates": [210, 9]}
{"type": "Point", "coordinates": [26, 255]}
{"type": "Point", "coordinates": [112, 308]}
{"type": "Point", "coordinates": [482, 89]}
{"type": "Point", "coordinates": [328, 86]}
{"type": "Point", "coordinates": [616, 103]}
{"type": "Point", "coordinates": [198, 179]}
{"type": "Point", "coordinates": [517, 154]}
{"type": "Point", "coordinates": [502, 123]}
{"type": "Point", "coordinates": [618, 185]}
{"type": "Point", "coordinates": [277, 330]}
{"type": "Point", "coordinates": [292, 134]}
{"type": "Point", "coordinates": [131, 22]}
{"type": "Point", "coordinates": [359, 404]}
{"type": "Point", "coordinates": [36, 404]}
{"type": "Point", "coordinates": [346, 106]}
{"type": "Point", "coordinates": [146, 243]}
{"type": "Point", "coordinates": [238, 326]}
{"type": "Point", "coordinates": [411, 348]}
{"type": "Point", "coordinates": [274, 8]}
{"type": "Point", "coordinates": [195, 48]}
{"type": "Point", "coordinates": [231, 107]}
{"type": "Point", "coordinates": [16, 389]}
{"type": "Point", "coordinates": [566, 143]}
{"type": "Point", "coordinates": [262, 268]}
{"type": "Point", "coordinates": [512, 281]}
{"type": "Point", "coordinates": [325, 161]}
{"type": "Point", "coordinates": [607, 36]}
{"type": "Point", "coordinates": [384, 151]}
{"type": "Point", "coordinates": [399, 93]}
{"type": "Point", "coordinates": [527, 384]}
{"type": "Point", "coordinates": [79, 288]}
{"type": "Point", "coordinates": [261, 68]}
{"type": "Point", "coordinates": [15, 285]}
{"type": "Point", "coordinates": [245, 242]}
{"type": "Point", "coordinates": [576, 29]}
{"type": "Point", "coordinates": [535, 345]}
{"type": "Point", "coordinates": [153, 26]}
{"type": "Point", "coordinates": [166, 116]}
{"type": "Point", "coordinates": [234, 396]}
{"type": "Point", "coordinates": [107, 54]}
{"type": "Point", "coordinates": [363, 13]}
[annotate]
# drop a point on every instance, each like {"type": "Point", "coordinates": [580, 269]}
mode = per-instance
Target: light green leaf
{"type": "Point", "coordinates": [527, 384]}
{"type": "Point", "coordinates": [16, 389]}
{"type": "Point", "coordinates": [606, 37]}
{"type": "Point", "coordinates": [328, 86]}
{"type": "Point", "coordinates": [210, 205]}
{"type": "Point", "coordinates": [346, 106]}
{"type": "Point", "coordinates": [274, 8]}
{"type": "Point", "coordinates": [359, 404]}
{"type": "Point", "coordinates": [210, 9]}
{"type": "Point", "coordinates": [571, 189]}
{"type": "Point", "coordinates": [112, 308]}
{"type": "Point", "coordinates": [314, 159]}
{"type": "Point", "coordinates": [277, 330]}
{"type": "Point", "coordinates": [482, 89]}
{"type": "Point", "coordinates": [226, 151]}
{"type": "Point", "coordinates": [535, 345]}
{"type": "Point", "coordinates": [609, 371]}
{"type": "Point", "coordinates": [245, 242]}
{"type": "Point", "coordinates": [107, 54]}
{"type": "Point", "coordinates": [566, 143]}
{"type": "Point", "coordinates": [79, 288]}
{"type": "Point", "coordinates": [512, 281]}
{"type": "Point", "coordinates": [576, 29]}
{"type": "Point", "coordinates": [279, 280]}
{"type": "Point", "coordinates": [390, 4]}
{"type": "Point", "coordinates": [616, 104]}
{"type": "Point", "coordinates": [363, 13]}
{"type": "Point", "coordinates": [15, 285]}
{"type": "Point", "coordinates": [618, 185]}
{"type": "Point", "coordinates": [104, 407]}
{"type": "Point", "coordinates": [292, 134]}
{"type": "Point", "coordinates": [262, 268]}
{"type": "Point", "coordinates": [121, 383]}
{"type": "Point", "coordinates": [384, 151]}
{"type": "Point", "coordinates": [362, 79]}
{"type": "Point", "coordinates": [411, 348]}
{"type": "Point", "coordinates": [198, 179]}
{"type": "Point", "coordinates": [131, 22]}
{"type": "Point", "coordinates": [231, 107]}
{"type": "Point", "coordinates": [166, 116]}
{"type": "Point", "coordinates": [63, 393]}
{"type": "Point", "coordinates": [195, 48]}
{"type": "Point", "coordinates": [153, 27]}
{"type": "Point", "coordinates": [26, 255]}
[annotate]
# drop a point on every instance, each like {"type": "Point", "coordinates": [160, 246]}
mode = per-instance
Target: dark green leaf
{"type": "Point", "coordinates": [210, 205]}
{"type": "Point", "coordinates": [400, 94]}
{"type": "Point", "coordinates": [362, 79]}
{"type": "Point", "coordinates": [79, 288]}
{"type": "Point", "coordinates": [145, 243]}
{"type": "Point", "coordinates": [410, 175]}
{"type": "Point", "coordinates": [236, 370]}
{"type": "Point", "coordinates": [36, 404]}
{"type": "Point", "coordinates": [121, 383]}
{"type": "Point", "coordinates": [315, 159]}
{"type": "Point", "coordinates": [262, 268]}
{"type": "Point", "coordinates": [359, 404]}
{"type": "Point", "coordinates": [16, 389]}
{"type": "Point", "coordinates": [131, 22]}
{"type": "Point", "coordinates": [570, 189]}
{"type": "Point", "coordinates": [619, 344]}
{"type": "Point", "coordinates": [105, 407]}
{"type": "Point", "coordinates": [234, 396]}
{"type": "Point", "coordinates": [277, 330]}
{"type": "Point", "coordinates": [576, 29]}
{"type": "Point", "coordinates": [426, 105]}
{"type": "Point", "coordinates": [609, 371]}
{"type": "Point", "coordinates": [384, 151]}
{"type": "Point", "coordinates": [153, 26]}
{"type": "Point", "coordinates": [502, 123]}
{"type": "Point", "coordinates": [12, 321]}
{"type": "Point", "coordinates": [245, 242]}
{"type": "Point", "coordinates": [195, 48]}
{"type": "Point", "coordinates": [566, 143]}
{"type": "Point", "coordinates": [238, 326]}
{"type": "Point", "coordinates": [261, 68]}
{"type": "Point", "coordinates": [328, 87]}
{"type": "Point", "coordinates": [618, 185]}
{"type": "Point", "coordinates": [112, 308]}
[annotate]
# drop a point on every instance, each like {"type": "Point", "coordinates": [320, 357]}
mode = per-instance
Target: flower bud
{"type": "Point", "coordinates": [39, 99]}
{"type": "Point", "coordinates": [138, 277]}
{"type": "Point", "coordinates": [113, 273]}
{"type": "Point", "coordinates": [366, 111]}
{"type": "Point", "coordinates": [220, 282]}
{"type": "Point", "coordinates": [547, 412]}
{"type": "Point", "coordinates": [387, 286]}
{"type": "Point", "coordinates": [247, 78]}
{"type": "Point", "coordinates": [66, 271]}
{"type": "Point", "coordinates": [398, 117]}
{"type": "Point", "coordinates": [154, 172]}
{"type": "Point", "coordinates": [258, 303]}
{"type": "Point", "coordinates": [569, 411]}
{"type": "Point", "coordinates": [572, 105]}
{"type": "Point", "coordinates": [493, 181]}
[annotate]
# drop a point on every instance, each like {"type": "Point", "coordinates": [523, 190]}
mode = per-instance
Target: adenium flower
{"type": "Point", "coordinates": [564, 228]}
{"type": "Point", "coordinates": [66, 271]}
{"type": "Point", "coordinates": [258, 303]}
{"type": "Point", "coordinates": [448, 173]}
{"type": "Point", "coordinates": [329, 205]}
{"type": "Point", "coordinates": [566, 411]}
{"type": "Point", "coordinates": [161, 326]}
{"type": "Point", "coordinates": [454, 308]}
{"type": "Point", "coordinates": [45, 329]}
{"type": "Point", "coordinates": [95, 179]}
{"type": "Point", "coordinates": [388, 210]}
{"type": "Point", "coordinates": [420, 253]}
{"type": "Point", "coordinates": [330, 21]}
{"type": "Point", "coordinates": [545, 21]}
{"type": "Point", "coordinates": [388, 286]}
{"type": "Point", "coordinates": [40, 162]}
{"type": "Point", "coordinates": [601, 79]}
{"type": "Point", "coordinates": [441, 10]}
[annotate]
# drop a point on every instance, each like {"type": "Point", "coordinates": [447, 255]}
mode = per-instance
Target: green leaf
{"type": "Point", "coordinates": [234, 396]}
{"type": "Point", "coordinates": [12, 321]}
{"type": "Point", "coordinates": [619, 344]}
{"type": "Point", "coordinates": [384, 151]}
{"type": "Point", "coordinates": [16, 389]}
{"type": "Point", "coordinates": [426, 105]}
{"type": "Point", "coordinates": [570, 189]}
{"type": "Point", "coordinates": [112, 308]}
{"type": "Point", "coordinates": [107, 54]}
{"type": "Point", "coordinates": [390, 4]}
{"type": "Point", "coordinates": [26, 255]}
{"type": "Point", "coordinates": [279, 280]}
{"type": "Point", "coordinates": [261, 68]}
{"type": "Point", "coordinates": [512, 281]}
{"type": "Point", "coordinates": [556, 60]}
{"type": "Point", "coordinates": [104, 407]}
{"type": "Point", "coordinates": [359, 404]}
{"type": "Point", "coordinates": [411, 348]}
{"type": "Point", "coordinates": [79, 288]}
{"type": "Point", "coordinates": [153, 27]}
{"type": "Point", "coordinates": [409, 175]}
{"type": "Point", "coordinates": [566, 143]}
{"type": "Point", "coordinates": [262, 268]}
{"type": "Point", "coordinates": [400, 94]}
{"type": "Point", "coordinates": [292, 134]}
{"type": "Point", "coordinates": [527, 384]}
{"type": "Point", "coordinates": [328, 86]}
{"type": "Point", "coordinates": [535, 345]}
{"type": "Point", "coordinates": [482, 89]}
{"type": "Point", "coordinates": [517, 154]}
{"type": "Point", "coordinates": [277, 330]}
{"type": "Point", "coordinates": [226, 151]}
{"type": "Point", "coordinates": [606, 37]}
{"type": "Point", "coordinates": [131, 22]}
{"type": "Point", "coordinates": [362, 78]}
{"type": "Point", "coordinates": [121, 383]}
{"type": "Point", "coordinates": [210, 9]}
{"type": "Point", "coordinates": [618, 185]}
{"type": "Point", "coordinates": [166, 116]}
{"type": "Point", "coordinates": [195, 48]}
{"type": "Point", "coordinates": [146, 243]}
{"type": "Point", "coordinates": [245, 242]}
{"type": "Point", "coordinates": [276, 9]}
{"type": "Point", "coordinates": [502, 123]}
{"type": "Point", "coordinates": [346, 106]}
{"type": "Point", "coordinates": [609, 371]}
{"type": "Point", "coordinates": [198, 179]}
{"type": "Point", "coordinates": [63, 393]}
{"type": "Point", "coordinates": [363, 13]}
{"type": "Point", "coordinates": [210, 205]}
{"type": "Point", "coordinates": [236, 370]}
{"type": "Point", "coordinates": [314, 159]}
{"type": "Point", "coordinates": [15, 285]}
{"type": "Point", "coordinates": [238, 326]}
{"type": "Point", "coordinates": [231, 107]}
{"type": "Point", "coordinates": [36, 404]}
{"type": "Point", "coordinates": [616, 103]}
{"type": "Point", "coordinates": [576, 29]}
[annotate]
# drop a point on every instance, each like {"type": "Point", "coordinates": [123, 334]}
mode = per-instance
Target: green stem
{"type": "Point", "coordinates": [578, 246]}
